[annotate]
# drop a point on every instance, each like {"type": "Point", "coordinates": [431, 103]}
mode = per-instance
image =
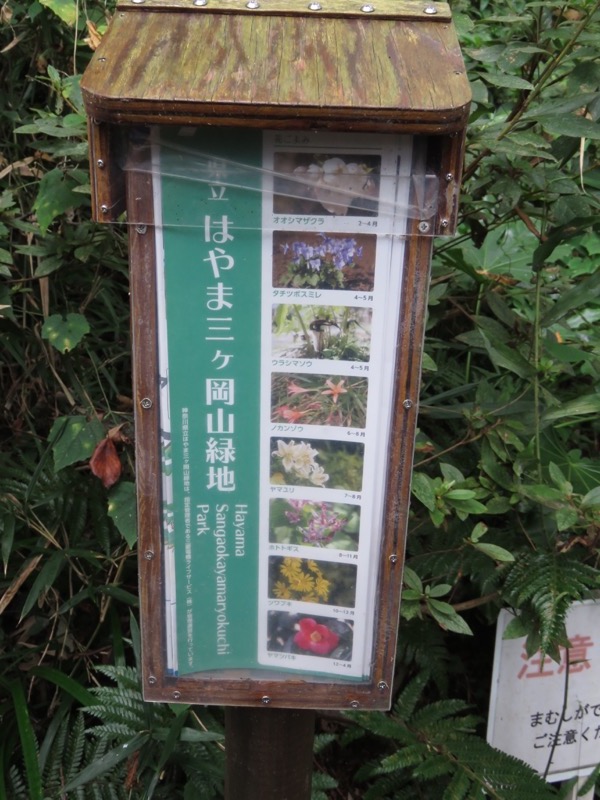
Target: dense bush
{"type": "Point", "coordinates": [506, 507]}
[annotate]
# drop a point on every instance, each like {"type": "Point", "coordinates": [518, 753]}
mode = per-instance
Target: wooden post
{"type": "Point", "coordinates": [269, 753]}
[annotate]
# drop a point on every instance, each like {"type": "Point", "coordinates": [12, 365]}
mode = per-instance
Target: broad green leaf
{"type": "Point", "coordinates": [123, 511]}
{"type": "Point", "coordinates": [451, 473]}
{"type": "Point", "coordinates": [478, 531]}
{"type": "Point", "coordinates": [55, 196]}
{"type": "Point", "coordinates": [544, 494]}
{"type": "Point", "coordinates": [493, 329]}
{"type": "Point", "coordinates": [6, 309]}
{"type": "Point", "coordinates": [558, 478]}
{"type": "Point", "coordinates": [460, 494]}
{"type": "Point", "coordinates": [121, 595]}
{"type": "Point", "coordinates": [579, 295]}
{"type": "Point", "coordinates": [592, 498]}
{"type": "Point", "coordinates": [588, 404]}
{"type": "Point", "coordinates": [515, 629]}
{"type": "Point", "coordinates": [469, 506]}
{"type": "Point", "coordinates": [566, 518]}
{"type": "Point", "coordinates": [498, 505]}
{"type": "Point", "coordinates": [410, 607]}
{"type": "Point", "coordinates": [494, 468]}
{"type": "Point", "coordinates": [487, 54]}
{"type": "Point", "coordinates": [65, 333]}
{"type": "Point", "coordinates": [558, 107]}
{"type": "Point", "coordinates": [7, 536]}
{"type": "Point", "coordinates": [506, 250]}
{"type": "Point", "coordinates": [106, 762]}
{"type": "Point", "coordinates": [446, 616]}
{"type": "Point", "coordinates": [513, 146]}
{"type": "Point", "coordinates": [71, 90]}
{"type": "Point", "coordinates": [571, 206]}
{"type": "Point", "coordinates": [48, 265]}
{"type": "Point", "coordinates": [560, 236]}
{"type": "Point", "coordinates": [74, 439]}
{"type": "Point", "coordinates": [423, 489]}
{"type": "Point", "coordinates": [6, 259]}
{"type": "Point", "coordinates": [494, 551]}
{"type": "Point", "coordinates": [69, 685]}
{"type": "Point", "coordinates": [506, 81]}
{"type": "Point", "coordinates": [437, 517]}
{"type": "Point", "coordinates": [528, 138]}
{"type": "Point", "coordinates": [411, 594]}
{"type": "Point", "coordinates": [462, 23]}
{"type": "Point", "coordinates": [65, 9]}
{"type": "Point", "coordinates": [509, 19]}
{"type": "Point", "coordinates": [591, 243]}
{"type": "Point", "coordinates": [439, 591]}
{"type": "Point", "coordinates": [582, 472]}
{"type": "Point", "coordinates": [503, 356]}
{"type": "Point", "coordinates": [564, 353]}
{"type": "Point", "coordinates": [428, 364]}
{"type": "Point", "coordinates": [516, 55]}
{"type": "Point", "coordinates": [55, 128]}
{"type": "Point", "coordinates": [44, 580]}
{"type": "Point", "coordinates": [579, 127]}
{"type": "Point", "coordinates": [29, 747]}
{"type": "Point", "coordinates": [412, 580]}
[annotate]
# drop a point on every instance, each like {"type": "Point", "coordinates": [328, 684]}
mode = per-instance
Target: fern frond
{"type": "Point", "coordinates": [410, 696]}
{"type": "Point", "coordinates": [75, 748]}
{"type": "Point", "coordinates": [321, 781]}
{"type": "Point", "coordinates": [380, 725]}
{"type": "Point", "coordinates": [501, 776]}
{"type": "Point", "coordinates": [433, 767]}
{"type": "Point", "coordinates": [425, 646]}
{"type": "Point", "coordinates": [590, 781]}
{"type": "Point", "coordinates": [458, 787]}
{"type": "Point", "coordinates": [430, 715]}
{"type": "Point", "coordinates": [132, 716]}
{"type": "Point", "coordinates": [323, 740]}
{"type": "Point", "coordinates": [440, 748]}
{"type": "Point", "coordinates": [113, 730]}
{"type": "Point", "coordinates": [546, 584]}
{"type": "Point", "coordinates": [390, 786]}
{"type": "Point", "coordinates": [125, 677]}
{"type": "Point", "coordinates": [51, 755]}
{"type": "Point", "coordinates": [402, 759]}
{"type": "Point", "coordinates": [130, 696]}
{"type": "Point", "coordinates": [16, 784]}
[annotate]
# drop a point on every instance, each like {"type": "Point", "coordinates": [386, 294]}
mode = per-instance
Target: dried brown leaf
{"type": "Point", "coordinates": [94, 38]}
{"type": "Point", "coordinates": [105, 463]}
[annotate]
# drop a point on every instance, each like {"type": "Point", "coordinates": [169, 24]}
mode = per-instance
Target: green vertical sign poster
{"type": "Point", "coordinates": [279, 274]}
{"type": "Point", "coordinates": [209, 355]}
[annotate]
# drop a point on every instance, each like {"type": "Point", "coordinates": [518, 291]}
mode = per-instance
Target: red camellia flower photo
{"type": "Point", "coordinates": [316, 638]}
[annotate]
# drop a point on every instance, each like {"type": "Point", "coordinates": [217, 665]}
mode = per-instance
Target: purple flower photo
{"type": "Point", "coordinates": [324, 261]}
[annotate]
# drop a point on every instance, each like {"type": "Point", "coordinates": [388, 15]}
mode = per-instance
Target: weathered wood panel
{"type": "Point", "coordinates": [250, 69]}
{"type": "Point", "coordinates": [396, 9]}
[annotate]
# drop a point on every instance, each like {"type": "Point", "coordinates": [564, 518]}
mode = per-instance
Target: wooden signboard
{"type": "Point", "coordinates": [280, 246]}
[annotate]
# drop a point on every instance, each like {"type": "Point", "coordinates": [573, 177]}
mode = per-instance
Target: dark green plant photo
{"type": "Point", "coordinates": [505, 508]}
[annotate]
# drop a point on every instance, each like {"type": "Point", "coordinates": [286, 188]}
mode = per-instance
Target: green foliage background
{"type": "Point", "coordinates": [506, 509]}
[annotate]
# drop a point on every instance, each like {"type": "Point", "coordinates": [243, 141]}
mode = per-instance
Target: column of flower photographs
{"type": "Point", "coordinates": [323, 286]}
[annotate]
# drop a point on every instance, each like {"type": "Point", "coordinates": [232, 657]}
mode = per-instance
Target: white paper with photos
{"type": "Point", "coordinates": [332, 276]}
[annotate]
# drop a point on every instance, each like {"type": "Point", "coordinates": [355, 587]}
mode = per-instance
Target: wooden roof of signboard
{"type": "Point", "coordinates": [392, 65]}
